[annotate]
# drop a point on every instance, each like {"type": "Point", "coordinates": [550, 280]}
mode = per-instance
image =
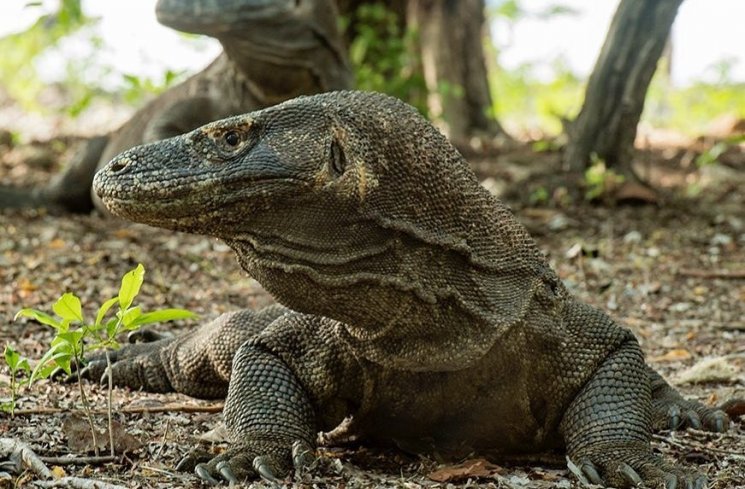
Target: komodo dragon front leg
{"type": "Point", "coordinates": [197, 363]}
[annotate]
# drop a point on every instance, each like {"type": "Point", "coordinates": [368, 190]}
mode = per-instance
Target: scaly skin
{"type": "Point", "coordinates": [273, 51]}
{"type": "Point", "coordinates": [418, 305]}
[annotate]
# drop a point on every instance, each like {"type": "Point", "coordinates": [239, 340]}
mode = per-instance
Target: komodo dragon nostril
{"type": "Point", "coordinates": [119, 164]}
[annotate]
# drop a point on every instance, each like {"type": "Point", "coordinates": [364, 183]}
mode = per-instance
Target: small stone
{"type": "Point", "coordinates": [632, 237]}
{"type": "Point", "coordinates": [721, 239]}
{"type": "Point", "coordinates": [653, 251]}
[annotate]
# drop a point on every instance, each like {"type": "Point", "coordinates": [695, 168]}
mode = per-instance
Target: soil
{"type": "Point", "coordinates": [673, 272]}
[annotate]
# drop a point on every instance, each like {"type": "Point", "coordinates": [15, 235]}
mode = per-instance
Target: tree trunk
{"type": "Point", "coordinates": [606, 125]}
{"type": "Point", "coordinates": [450, 56]}
{"type": "Point", "coordinates": [451, 35]}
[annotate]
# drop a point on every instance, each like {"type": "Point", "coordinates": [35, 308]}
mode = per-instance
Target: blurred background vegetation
{"type": "Point", "coordinates": [528, 103]}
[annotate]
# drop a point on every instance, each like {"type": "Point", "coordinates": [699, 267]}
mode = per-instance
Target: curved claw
{"type": "Point", "coordinates": [629, 474]}
{"type": "Point", "coordinates": [673, 416]}
{"type": "Point", "coordinates": [205, 475]}
{"type": "Point", "coordinates": [701, 482]}
{"type": "Point", "coordinates": [671, 482]}
{"type": "Point", "coordinates": [227, 473]}
{"type": "Point", "coordinates": [146, 336]}
{"type": "Point", "coordinates": [302, 455]}
{"type": "Point", "coordinates": [195, 457]}
{"type": "Point", "coordinates": [721, 421]}
{"type": "Point", "coordinates": [262, 468]}
{"type": "Point", "coordinates": [591, 472]}
{"type": "Point", "coordinates": [85, 372]}
{"type": "Point", "coordinates": [693, 419]}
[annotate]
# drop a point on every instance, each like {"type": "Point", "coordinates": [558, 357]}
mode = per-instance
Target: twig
{"type": "Point", "coordinates": [78, 483]}
{"type": "Point", "coordinates": [163, 442]}
{"type": "Point", "coordinates": [728, 274]}
{"type": "Point", "coordinates": [10, 447]}
{"type": "Point", "coordinates": [690, 444]}
{"type": "Point", "coordinates": [86, 407]}
{"type": "Point", "coordinates": [112, 450]}
{"type": "Point", "coordinates": [101, 459]}
{"type": "Point", "coordinates": [166, 408]}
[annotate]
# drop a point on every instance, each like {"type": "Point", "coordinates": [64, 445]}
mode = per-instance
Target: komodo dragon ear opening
{"type": "Point", "coordinates": [337, 159]}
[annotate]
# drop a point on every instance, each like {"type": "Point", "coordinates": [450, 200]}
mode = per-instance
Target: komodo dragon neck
{"type": "Point", "coordinates": [308, 195]}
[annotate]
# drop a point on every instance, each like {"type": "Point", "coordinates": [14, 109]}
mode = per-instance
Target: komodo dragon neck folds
{"type": "Point", "coordinates": [415, 302]}
{"type": "Point", "coordinates": [273, 51]}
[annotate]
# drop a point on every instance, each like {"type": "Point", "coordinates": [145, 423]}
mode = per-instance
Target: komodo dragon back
{"type": "Point", "coordinates": [469, 269]}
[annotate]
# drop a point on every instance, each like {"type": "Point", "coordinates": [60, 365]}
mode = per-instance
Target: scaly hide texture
{"type": "Point", "coordinates": [415, 303]}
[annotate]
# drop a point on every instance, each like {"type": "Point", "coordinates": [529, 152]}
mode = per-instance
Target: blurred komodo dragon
{"type": "Point", "coordinates": [416, 308]}
{"type": "Point", "coordinates": [273, 51]}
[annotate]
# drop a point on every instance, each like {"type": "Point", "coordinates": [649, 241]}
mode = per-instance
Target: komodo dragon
{"type": "Point", "coordinates": [415, 305]}
{"type": "Point", "coordinates": [273, 51]}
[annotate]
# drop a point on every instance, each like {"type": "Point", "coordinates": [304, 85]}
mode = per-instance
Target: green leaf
{"type": "Point", "coordinates": [42, 370]}
{"type": "Point", "coordinates": [104, 309]}
{"type": "Point", "coordinates": [12, 357]}
{"type": "Point", "coordinates": [42, 317]}
{"type": "Point", "coordinates": [23, 365]}
{"type": "Point", "coordinates": [68, 307]}
{"type": "Point", "coordinates": [73, 338]}
{"type": "Point", "coordinates": [130, 315]}
{"type": "Point", "coordinates": [161, 316]}
{"type": "Point", "coordinates": [111, 326]}
{"type": "Point", "coordinates": [131, 283]}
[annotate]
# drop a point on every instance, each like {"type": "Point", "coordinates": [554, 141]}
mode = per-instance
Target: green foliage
{"type": "Point", "coordinates": [137, 88]}
{"type": "Point", "coordinates": [599, 179]}
{"type": "Point", "coordinates": [17, 364]}
{"type": "Point", "coordinates": [381, 55]}
{"type": "Point", "coordinates": [691, 109]}
{"type": "Point", "coordinates": [529, 102]}
{"type": "Point", "coordinates": [20, 50]}
{"type": "Point", "coordinates": [74, 335]}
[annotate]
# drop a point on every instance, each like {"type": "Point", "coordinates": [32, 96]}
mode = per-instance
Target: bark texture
{"type": "Point", "coordinates": [615, 95]}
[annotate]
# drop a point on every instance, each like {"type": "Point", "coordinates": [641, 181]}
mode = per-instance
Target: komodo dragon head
{"type": "Point", "coordinates": [352, 206]}
{"type": "Point", "coordinates": [275, 42]}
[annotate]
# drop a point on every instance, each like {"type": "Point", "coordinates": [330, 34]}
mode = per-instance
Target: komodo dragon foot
{"type": "Point", "coordinates": [671, 411]}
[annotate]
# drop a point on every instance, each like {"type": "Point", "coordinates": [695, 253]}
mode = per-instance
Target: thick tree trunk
{"type": "Point", "coordinates": [451, 35]}
{"type": "Point", "coordinates": [616, 90]}
{"type": "Point", "coordinates": [451, 59]}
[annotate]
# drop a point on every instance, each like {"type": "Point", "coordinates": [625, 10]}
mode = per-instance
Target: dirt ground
{"type": "Point", "coordinates": [674, 274]}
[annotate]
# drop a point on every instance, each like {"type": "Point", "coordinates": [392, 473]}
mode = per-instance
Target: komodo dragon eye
{"type": "Point", "coordinates": [232, 138]}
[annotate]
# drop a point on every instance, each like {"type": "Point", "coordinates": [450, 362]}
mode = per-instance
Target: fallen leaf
{"type": "Point", "coordinates": [672, 356]}
{"type": "Point", "coordinates": [469, 469]}
{"type": "Point", "coordinates": [25, 285]}
{"type": "Point", "coordinates": [58, 472]}
{"type": "Point", "coordinates": [57, 244]}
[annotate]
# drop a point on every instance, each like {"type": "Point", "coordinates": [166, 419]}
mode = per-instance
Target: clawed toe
{"type": "Point", "coordinates": [242, 462]}
{"type": "Point", "coordinates": [634, 466]}
{"type": "Point", "coordinates": [629, 474]}
{"type": "Point", "coordinates": [302, 456]}
{"type": "Point", "coordinates": [262, 467]}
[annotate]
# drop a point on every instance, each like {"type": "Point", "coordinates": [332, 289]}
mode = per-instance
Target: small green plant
{"type": "Point", "coordinates": [16, 364]}
{"type": "Point", "coordinates": [600, 180]}
{"type": "Point", "coordinates": [539, 196]}
{"type": "Point", "coordinates": [711, 155]}
{"type": "Point", "coordinates": [74, 335]}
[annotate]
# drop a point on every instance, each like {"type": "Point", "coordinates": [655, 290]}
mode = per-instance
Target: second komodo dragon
{"type": "Point", "coordinates": [416, 306]}
{"type": "Point", "coordinates": [273, 51]}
